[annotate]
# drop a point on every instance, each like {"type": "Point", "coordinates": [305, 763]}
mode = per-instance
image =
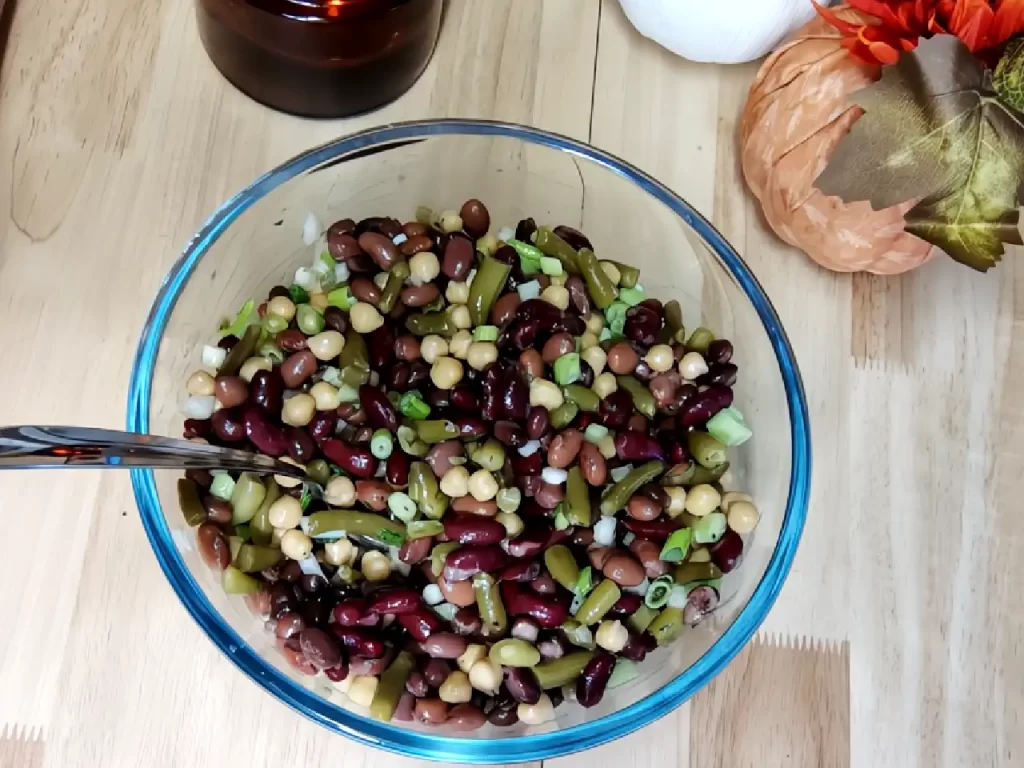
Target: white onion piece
{"type": "Point", "coordinates": [305, 278]}
{"type": "Point", "coordinates": [639, 589]}
{"type": "Point", "coordinates": [332, 376]}
{"type": "Point", "coordinates": [396, 564]}
{"type": "Point", "coordinates": [530, 448]}
{"type": "Point", "coordinates": [528, 290]}
{"type": "Point", "coordinates": [677, 598]}
{"type": "Point", "coordinates": [199, 406]}
{"type": "Point", "coordinates": [506, 234]}
{"type": "Point", "coordinates": [577, 603]}
{"type": "Point", "coordinates": [311, 567]}
{"type": "Point", "coordinates": [554, 476]}
{"type": "Point", "coordinates": [628, 538]}
{"type": "Point", "coordinates": [620, 472]}
{"type": "Point", "coordinates": [341, 272]}
{"type": "Point", "coordinates": [399, 238]}
{"type": "Point", "coordinates": [213, 357]}
{"type": "Point", "coordinates": [330, 535]}
{"type": "Point", "coordinates": [446, 611]}
{"type": "Point", "coordinates": [321, 268]}
{"type": "Point", "coordinates": [432, 595]}
{"type": "Point", "coordinates": [604, 531]}
{"type": "Point", "coordinates": [310, 229]}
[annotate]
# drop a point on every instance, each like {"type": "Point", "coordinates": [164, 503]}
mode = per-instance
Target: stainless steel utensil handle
{"type": "Point", "coordinates": [39, 447]}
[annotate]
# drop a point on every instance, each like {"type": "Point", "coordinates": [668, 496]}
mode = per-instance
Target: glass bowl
{"type": "Point", "coordinates": [256, 241]}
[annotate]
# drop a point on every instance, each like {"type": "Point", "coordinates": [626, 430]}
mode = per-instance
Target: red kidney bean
{"type": "Point", "coordinates": [649, 555]}
{"type": "Point", "coordinates": [266, 390]}
{"type": "Point", "coordinates": [655, 530]}
{"type": "Point", "coordinates": [337, 673]}
{"type": "Point", "coordinates": [407, 347]}
{"type": "Point", "coordinates": [558, 537]}
{"type": "Point", "coordinates": [642, 325]}
{"type": "Point", "coordinates": [559, 344]}
{"type": "Point", "coordinates": [699, 408]}
{"type": "Point", "coordinates": [380, 413]}
{"type": "Point", "coordinates": [466, 529]}
{"type": "Point", "coordinates": [395, 601]}
{"type": "Point", "coordinates": [359, 641]}
{"type": "Point", "coordinates": [430, 711]}
{"type": "Point", "coordinates": [530, 542]}
{"type": "Point", "coordinates": [436, 671]}
{"type": "Point", "coordinates": [527, 466]}
{"type": "Point", "coordinates": [510, 433]}
{"type": "Point", "coordinates": [470, 506]}
{"type": "Point", "coordinates": [538, 422]}
{"type": "Point", "coordinates": [615, 409]}
{"type": "Point", "coordinates": [349, 612]}
{"type": "Point", "coordinates": [445, 645]}
{"type": "Point", "coordinates": [637, 423]}
{"type": "Point", "coordinates": [554, 647]}
{"type": "Point", "coordinates": [396, 469]}
{"type": "Point", "coordinates": [416, 685]}
{"type": "Point", "coordinates": [520, 333]}
{"type": "Point", "coordinates": [344, 247]}
{"type": "Point", "coordinates": [657, 494]}
{"type": "Point", "coordinates": [419, 372]}
{"type": "Point", "coordinates": [297, 368]}
{"type": "Point", "coordinates": [291, 340]}
{"type": "Point", "coordinates": [354, 460]}
{"type": "Point", "coordinates": [457, 260]}
{"type": "Point", "coordinates": [476, 219]}
{"type": "Point", "coordinates": [297, 659]}
{"type": "Point", "coordinates": [373, 494]}
{"type": "Point", "coordinates": [384, 253]}
{"type": "Point", "coordinates": [465, 399]}
{"type": "Point", "coordinates": [335, 319]}
{"type": "Point", "coordinates": [316, 610]}
{"type": "Point", "coordinates": [319, 648]}
{"type": "Point", "coordinates": [504, 309]}
{"type": "Point", "coordinates": [365, 291]}
{"type": "Point", "coordinates": [463, 564]}
{"type": "Point", "coordinates": [627, 605]}
{"type": "Point", "coordinates": [719, 351]}
{"type": "Point", "coordinates": [521, 570]}
{"type": "Point", "coordinates": [638, 646]}
{"type": "Point", "coordinates": [727, 551]}
{"type": "Point", "coordinates": [504, 714]}
{"type": "Point", "coordinates": [415, 550]}
{"type": "Point", "coordinates": [217, 511]}
{"type": "Point", "coordinates": [471, 428]}
{"type": "Point", "coordinates": [213, 546]}
{"type": "Point", "coordinates": [322, 426]}
{"type": "Point", "coordinates": [724, 374]}
{"type": "Point", "coordinates": [702, 601]}
{"type": "Point", "coordinates": [266, 436]}
{"type": "Point", "coordinates": [398, 377]}
{"type": "Point", "coordinates": [228, 425]}
{"type": "Point", "coordinates": [515, 398]}
{"type": "Point", "coordinates": [380, 347]}
{"type": "Point", "coordinates": [227, 342]}
{"type": "Point", "coordinates": [416, 244]}
{"type": "Point", "coordinates": [545, 611]}
{"type": "Point", "coordinates": [522, 685]}
{"type": "Point", "coordinates": [301, 447]}
{"type": "Point", "coordinates": [231, 391]}
{"type": "Point", "coordinates": [582, 537]}
{"type": "Point", "coordinates": [405, 708]}
{"type": "Point", "coordinates": [197, 428]}
{"type": "Point", "coordinates": [544, 585]}
{"type": "Point", "coordinates": [590, 685]}
{"type": "Point", "coordinates": [440, 456]}
{"type": "Point", "coordinates": [278, 290]}
{"type": "Point", "coordinates": [368, 666]}
{"type": "Point", "coordinates": [421, 623]}
{"type": "Point", "coordinates": [466, 620]}
{"type": "Point", "coordinates": [289, 625]}
{"type": "Point", "coordinates": [549, 495]}
{"type": "Point", "coordinates": [623, 570]}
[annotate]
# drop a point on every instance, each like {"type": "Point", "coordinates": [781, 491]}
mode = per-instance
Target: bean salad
{"type": "Point", "coordinates": [523, 460]}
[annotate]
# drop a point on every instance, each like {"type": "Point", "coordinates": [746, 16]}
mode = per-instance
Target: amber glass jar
{"type": "Point", "coordinates": [320, 58]}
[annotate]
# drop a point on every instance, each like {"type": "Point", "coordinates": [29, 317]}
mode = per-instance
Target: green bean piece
{"type": "Point", "coordinates": [577, 498]}
{"type": "Point", "coordinates": [552, 245]}
{"type": "Point", "coordinates": [490, 455]}
{"type": "Point", "coordinates": [514, 652]}
{"type": "Point", "coordinates": [674, 321]}
{"type": "Point", "coordinates": [252, 558]}
{"type": "Point", "coordinates": [642, 619]}
{"type": "Point", "coordinates": [643, 400]}
{"type": "Point", "coordinates": [563, 415]}
{"type": "Point", "coordinates": [393, 287]}
{"type": "Point", "coordinates": [260, 528]}
{"type": "Point", "coordinates": [242, 531]}
{"type": "Point", "coordinates": [620, 493]}
{"type": "Point", "coordinates": [235, 582]}
{"type": "Point", "coordinates": [272, 352]}
{"type": "Point", "coordinates": [354, 352]}
{"type": "Point", "coordinates": [584, 398]}
{"type": "Point", "coordinates": [562, 565]}
{"type": "Point", "coordinates": [491, 608]}
{"type": "Point", "coordinates": [235, 546]}
{"type": "Point", "coordinates": [425, 491]}
{"type": "Point", "coordinates": [191, 505]}
{"type": "Point", "coordinates": [410, 443]}
{"type": "Point", "coordinates": [666, 625]}
{"type": "Point", "coordinates": [578, 634]}
{"type": "Point", "coordinates": [487, 285]}
{"type": "Point", "coordinates": [319, 470]}
{"type": "Point", "coordinates": [558, 672]}
{"type": "Point", "coordinates": [420, 529]}
{"type": "Point", "coordinates": [435, 431]}
{"type": "Point", "coordinates": [707, 451]}
{"type": "Point", "coordinates": [689, 572]}
{"type": "Point", "coordinates": [391, 687]}
{"type": "Point", "coordinates": [426, 323]}
{"type": "Point", "coordinates": [629, 275]}
{"type": "Point", "coordinates": [359, 523]}
{"type": "Point", "coordinates": [241, 352]}
{"type": "Point", "coordinates": [246, 498]}
{"type": "Point", "coordinates": [693, 474]}
{"type": "Point", "coordinates": [599, 602]}
{"type": "Point", "coordinates": [439, 554]}
{"type": "Point", "coordinates": [600, 287]}
{"type": "Point", "coordinates": [700, 339]}
{"type": "Point", "coordinates": [354, 376]}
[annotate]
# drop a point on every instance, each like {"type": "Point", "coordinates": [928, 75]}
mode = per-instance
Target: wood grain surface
{"type": "Point", "coordinates": [899, 638]}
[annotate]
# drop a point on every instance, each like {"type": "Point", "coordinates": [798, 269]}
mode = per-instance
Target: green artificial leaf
{"type": "Point", "coordinates": [1008, 79]}
{"type": "Point", "coordinates": [935, 130]}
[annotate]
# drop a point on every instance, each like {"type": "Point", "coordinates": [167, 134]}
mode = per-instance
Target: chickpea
{"type": "Point", "coordinates": [446, 372]}
{"type": "Point", "coordinates": [424, 267]}
{"type": "Point", "coordinates": [485, 676]}
{"type": "Point", "coordinates": [481, 354]}
{"type": "Point", "coordinates": [285, 512]}
{"type": "Point", "coordinates": [340, 492]}
{"type": "Point", "coordinates": [536, 714]}
{"type": "Point", "coordinates": [364, 317]}
{"type": "Point", "coordinates": [473, 653]}
{"type": "Point", "coordinates": [660, 358]}
{"type": "Point", "coordinates": [558, 280]}
{"type": "Point", "coordinates": [604, 385]}
{"type": "Point", "coordinates": [325, 396]}
{"type": "Point", "coordinates": [611, 636]}
{"type": "Point", "coordinates": [253, 364]}
{"type": "Point", "coordinates": [546, 393]}
{"type": "Point", "coordinates": [362, 689]}
{"type": "Point", "coordinates": [595, 323]}
{"type": "Point", "coordinates": [457, 293]}
{"type": "Point", "coordinates": [513, 523]}
{"type": "Point", "coordinates": [298, 410]}
{"type": "Point", "coordinates": [676, 500]}
{"type": "Point", "coordinates": [281, 306]}
{"type": "Point", "coordinates": [460, 316]}
{"type": "Point", "coordinates": [606, 447]}
{"type": "Point", "coordinates": [455, 482]}
{"type": "Point", "coordinates": [296, 545]}
{"type": "Point", "coordinates": [692, 365]}
{"type": "Point", "coordinates": [340, 552]}
{"type": "Point", "coordinates": [289, 482]}
{"type": "Point", "coordinates": [432, 347]}
{"type": "Point", "coordinates": [451, 222]}
{"type": "Point", "coordinates": [731, 496]}
{"type": "Point", "coordinates": [702, 500]}
{"type": "Point", "coordinates": [743, 516]}
{"type": "Point", "coordinates": [596, 358]}
{"type": "Point", "coordinates": [557, 295]}
{"type": "Point", "coordinates": [456, 689]}
{"type": "Point", "coordinates": [487, 244]}
{"type": "Point", "coordinates": [326, 345]}
{"type": "Point", "coordinates": [376, 566]}
{"type": "Point", "coordinates": [200, 383]}
{"type": "Point", "coordinates": [460, 343]}
{"type": "Point", "coordinates": [612, 271]}
{"type": "Point", "coordinates": [482, 485]}
{"type": "Point", "coordinates": [318, 301]}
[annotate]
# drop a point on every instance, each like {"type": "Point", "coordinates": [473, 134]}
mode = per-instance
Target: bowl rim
{"type": "Point", "coordinates": [396, 738]}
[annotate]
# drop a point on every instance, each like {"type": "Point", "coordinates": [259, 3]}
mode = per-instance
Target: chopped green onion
{"type": "Point", "coordinates": [728, 426]}
{"type": "Point", "coordinates": [659, 591]}
{"type": "Point", "coordinates": [710, 528]}
{"type": "Point", "coordinates": [549, 265]}
{"type": "Point", "coordinates": [307, 496]}
{"type": "Point", "coordinates": [595, 433]}
{"type": "Point", "coordinates": [561, 520]}
{"type": "Point", "coordinates": [274, 324]}
{"type": "Point", "coordinates": [485, 333]}
{"type": "Point", "coordinates": [615, 316]}
{"type": "Point", "coordinates": [578, 634]}
{"type": "Point", "coordinates": [222, 487]}
{"type": "Point", "coordinates": [310, 321]}
{"type": "Point", "coordinates": [241, 322]}
{"type": "Point", "coordinates": [402, 507]}
{"type": "Point", "coordinates": [419, 529]}
{"type": "Point", "coordinates": [529, 256]}
{"type": "Point", "coordinates": [341, 297]}
{"type": "Point", "coordinates": [413, 407]}
{"type": "Point", "coordinates": [631, 296]}
{"type": "Point", "coordinates": [567, 369]}
{"type": "Point", "coordinates": [528, 290]}
{"type": "Point", "coordinates": [272, 352]}
{"type": "Point", "coordinates": [347, 393]}
{"type": "Point", "coordinates": [335, 470]}
{"type": "Point", "coordinates": [332, 376]}
{"type": "Point", "coordinates": [381, 444]}
{"type": "Point", "coordinates": [604, 335]}
{"type": "Point", "coordinates": [677, 546]}
{"type": "Point", "coordinates": [325, 271]}
{"type": "Point", "coordinates": [390, 538]}
{"type": "Point", "coordinates": [624, 671]}
{"type": "Point", "coordinates": [584, 583]}
{"type": "Point", "coordinates": [298, 294]}
{"type": "Point", "coordinates": [446, 611]}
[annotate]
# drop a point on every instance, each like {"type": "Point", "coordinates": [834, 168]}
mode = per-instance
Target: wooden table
{"type": "Point", "coordinates": [899, 638]}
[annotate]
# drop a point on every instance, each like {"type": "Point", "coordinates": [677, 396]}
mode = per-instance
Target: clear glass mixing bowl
{"type": "Point", "coordinates": [255, 241]}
